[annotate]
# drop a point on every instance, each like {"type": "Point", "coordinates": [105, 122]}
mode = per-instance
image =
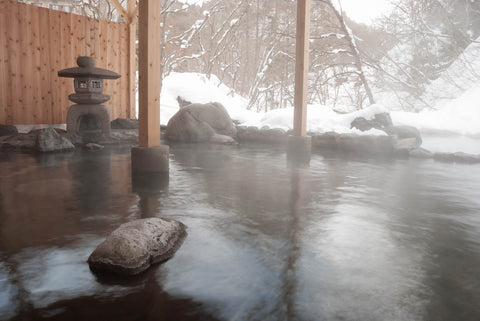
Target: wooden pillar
{"type": "Point", "coordinates": [150, 160]}
{"type": "Point", "coordinates": [299, 145]}
{"type": "Point", "coordinates": [301, 68]}
{"type": "Point", "coordinates": [149, 73]}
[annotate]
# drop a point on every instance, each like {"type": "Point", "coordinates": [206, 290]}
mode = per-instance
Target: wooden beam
{"type": "Point", "coordinates": [121, 11]}
{"type": "Point", "coordinates": [301, 68]}
{"type": "Point", "coordinates": [134, 16]}
{"type": "Point", "coordinates": [149, 73]}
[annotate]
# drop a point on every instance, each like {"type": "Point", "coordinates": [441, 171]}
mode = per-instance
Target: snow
{"type": "Point", "coordinates": [462, 74]}
{"type": "Point", "coordinates": [459, 116]}
{"type": "Point", "coordinates": [454, 99]}
{"type": "Point", "coordinates": [198, 88]}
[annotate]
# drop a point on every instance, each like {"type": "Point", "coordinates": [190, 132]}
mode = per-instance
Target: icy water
{"type": "Point", "coordinates": [346, 238]}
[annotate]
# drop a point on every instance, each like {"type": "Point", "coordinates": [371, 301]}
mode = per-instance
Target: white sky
{"type": "Point", "coordinates": [365, 11]}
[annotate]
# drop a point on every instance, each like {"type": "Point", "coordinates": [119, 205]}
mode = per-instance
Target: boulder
{"type": "Point", "coordinates": [405, 132]}
{"type": "Point", "coordinates": [7, 130]}
{"type": "Point", "coordinates": [93, 146]}
{"type": "Point", "coordinates": [444, 157]}
{"type": "Point", "coordinates": [48, 140]}
{"type": "Point", "coordinates": [379, 121]}
{"type": "Point", "coordinates": [200, 123]}
{"type": "Point", "coordinates": [362, 124]}
{"type": "Point", "coordinates": [135, 246]}
{"type": "Point", "coordinates": [183, 102]}
{"type": "Point", "coordinates": [420, 153]}
{"type": "Point", "coordinates": [124, 123]}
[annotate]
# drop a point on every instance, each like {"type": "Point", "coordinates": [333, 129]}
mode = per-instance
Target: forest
{"type": "Point", "coordinates": [250, 46]}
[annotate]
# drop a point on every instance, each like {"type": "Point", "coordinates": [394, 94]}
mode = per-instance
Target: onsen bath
{"type": "Point", "coordinates": [345, 238]}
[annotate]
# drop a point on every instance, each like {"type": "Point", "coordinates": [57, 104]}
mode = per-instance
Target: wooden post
{"type": "Point", "coordinates": [301, 68]}
{"type": "Point", "coordinates": [299, 145]}
{"type": "Point", "coordinates": [150, 160]}
{"type": "Point", "coordinates": [149, 73]}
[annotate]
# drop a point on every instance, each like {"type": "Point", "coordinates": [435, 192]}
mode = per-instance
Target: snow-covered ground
{"type": "Point", "coordinates": [199, 89]}
{"type": "Point", "coordinates": [451, 124]}
{"type": "Point", "coordinates": [454, 126]}
{"type": "Point", "coordinates": [459, 116]}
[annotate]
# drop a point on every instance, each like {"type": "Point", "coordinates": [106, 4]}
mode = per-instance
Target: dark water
{"type": "Point", "coordinates": [343, 239]}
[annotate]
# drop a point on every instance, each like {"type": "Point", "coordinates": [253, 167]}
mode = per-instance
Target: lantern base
{"type": "Point", "coordinates": [91, 122]}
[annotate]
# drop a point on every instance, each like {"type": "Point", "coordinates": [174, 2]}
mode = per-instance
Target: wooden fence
{"type": "Point", "coordinates": [35, 43]}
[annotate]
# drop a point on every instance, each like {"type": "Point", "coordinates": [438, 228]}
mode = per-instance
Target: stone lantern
{"type": "Point", "coordinates": [88, 118]}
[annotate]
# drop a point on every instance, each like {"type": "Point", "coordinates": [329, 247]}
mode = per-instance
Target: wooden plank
{"type": "Point", "coordinates": [23, 96]}
{"type": "Point", "coordinates": [149, 73]}
{"type": "Point", "coordinates": [3, 61]}
{"type": "Point", "coordinates": [34, 70]}
{"type": "Point", "coordinates": [44, 72]}
{"type": "Point", "coordinates": [132, 69]}
{"type": "Point", "coordinates": [55, 52]}
{"type": "Point", "coordinates": [124, 70]}
{"type": "Point", "coordinates": [13, 55]}
{"type": "Point", "coordinates": [115, 103]}
{"type": "Point", "coordinates": [301, 68]}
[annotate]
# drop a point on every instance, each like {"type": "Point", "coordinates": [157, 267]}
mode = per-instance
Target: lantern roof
{"type": "Point", "coordinates": [86, 68]}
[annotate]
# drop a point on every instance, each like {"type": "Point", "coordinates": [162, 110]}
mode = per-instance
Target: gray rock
{"type": "Point", "coordinates": [379, 121]}
{"type": "Point", "coordinates": [93, 146]}
{"type": "Point", "coordinates": [199, 123]}
{"type": "Point", "coordinates": [135, 246]}
{"type": "Point", "coordinates": [383, 120]}
{"type": "Point", "coordinates": [362, 124]}
{"type": "Point", "coordinates": [124, 123]}
{"type": "Point", "coordinates": [458, 157]}
{"type": "Point", "coordinates": [407, 143]}
{"type": "Point", "coordinates": [405, 132]}
{"type": "Point", "coordinates": [420, 153]}
{"type": "Point", "coordinates": [461, 157]}
{"type": "Point", "coordinates": [444, 157]}
{"type": "Point", "coordinates": [48, 140]}
{"type": "Point", "coordinates": [7, 130]}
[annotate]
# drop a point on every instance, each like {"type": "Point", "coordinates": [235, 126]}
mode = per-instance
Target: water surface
{"type": "Point", "coordinates": [345, 238]}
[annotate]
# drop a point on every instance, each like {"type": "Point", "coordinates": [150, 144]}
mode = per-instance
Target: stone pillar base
{"type": "Point", "coordinates": [150, 168]}
{"type": "Point", "coordinates": [150, 159]}
{"type": "Point", "coordinates": [299, 149]}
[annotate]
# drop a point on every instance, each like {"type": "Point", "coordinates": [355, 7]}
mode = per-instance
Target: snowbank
{"type": "Point", "coordinates": [320, 119]}
{"type": "Point", "coordinates": [198, 88]}
{"type": "Point", "coordinates": [459, 116]}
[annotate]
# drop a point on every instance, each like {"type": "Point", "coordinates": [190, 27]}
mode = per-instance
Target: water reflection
{"type": "Point", "coordinates": [342, 239]}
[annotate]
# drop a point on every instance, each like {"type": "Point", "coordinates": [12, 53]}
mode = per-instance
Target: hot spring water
{"type": "Point", "coordinates": [345, 238]}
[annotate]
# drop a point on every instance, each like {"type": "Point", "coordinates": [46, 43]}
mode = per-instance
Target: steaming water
{"type": "Point", "coordinates": [342, 239]}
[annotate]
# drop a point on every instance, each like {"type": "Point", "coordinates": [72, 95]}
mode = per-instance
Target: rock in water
{"type": "Point", "coordinates": [136, 245]}
{"type": "Point", "coordinates": [48, 140]}
{"type": "Point", "coordinates": [8, 130]}
{"type": "Point", "coordinates": [200, 123]}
